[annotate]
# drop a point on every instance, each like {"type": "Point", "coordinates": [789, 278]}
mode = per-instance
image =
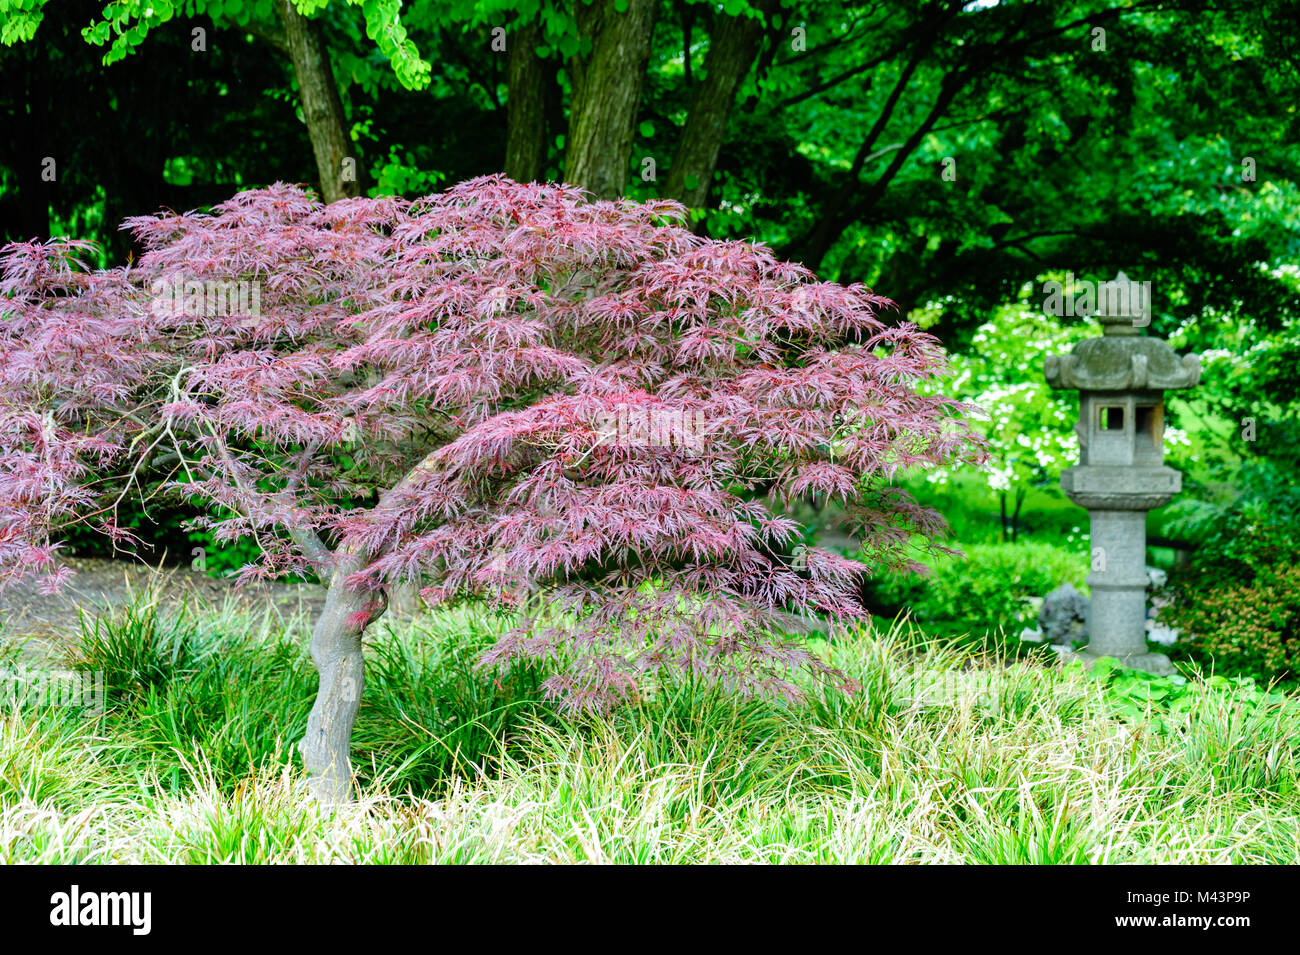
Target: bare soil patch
{"type": "Point", "coordinates": [42, 623]}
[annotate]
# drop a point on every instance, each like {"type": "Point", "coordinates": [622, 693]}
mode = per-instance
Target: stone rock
{"type": "Point", "coordinates": [1064, 616]}
{"type": "Point", "coordinates": [1165, 636]}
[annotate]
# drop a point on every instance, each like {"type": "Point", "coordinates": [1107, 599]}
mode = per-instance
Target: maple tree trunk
{"type": "Point", "coordinates": [525, 106]}
{"type": "Point", "coordinates": [607, 94]}
{"type": "Point", "coordinates": [733, 45]}
{"type": "Point", "coordinates": [322, 109]}
{"type": "Point", "coordinates": [336, 650]}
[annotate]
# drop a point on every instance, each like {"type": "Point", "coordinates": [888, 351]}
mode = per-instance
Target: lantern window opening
{"type": "Point", "coordinates": [1110, 418]}
{"type": "Point", "coordinates": [1147, 423]}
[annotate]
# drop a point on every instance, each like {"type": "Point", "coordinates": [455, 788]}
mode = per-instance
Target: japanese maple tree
{"type": "Point", "coordinates": [577, 411]}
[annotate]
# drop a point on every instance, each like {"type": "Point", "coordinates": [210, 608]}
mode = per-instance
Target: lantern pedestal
{"type": "Point", "coordinates": [1156, 663]}
{"type": "Point", "coordinates": [1117, 500]}
{"type": "Point", "coordinates": [1121, 378]}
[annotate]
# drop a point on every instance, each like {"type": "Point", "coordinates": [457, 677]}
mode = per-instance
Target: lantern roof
{"type": "Point", "coordinates": [1130, 363]}
{"type": "Point", "coordinates": [1122, 359]}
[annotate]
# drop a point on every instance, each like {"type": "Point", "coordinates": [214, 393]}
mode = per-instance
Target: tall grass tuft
{"type": "Point", "coordinates": [948, 755]}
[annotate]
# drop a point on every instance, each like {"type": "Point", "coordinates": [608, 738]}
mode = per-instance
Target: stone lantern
{"type": "Point", "coordinates": [1121, 378]}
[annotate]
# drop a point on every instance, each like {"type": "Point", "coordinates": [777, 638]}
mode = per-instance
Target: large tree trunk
{"type": "Point", "coordinates": [607, 94]}
{"type": "Point", "coordinates": [336, 651]}
{"type": "Point", "coordinates": [526, 76]}
{"type": "Point", "coordinates": [733, 45]}
{"type": "Point", "coordinates": [321, 107]}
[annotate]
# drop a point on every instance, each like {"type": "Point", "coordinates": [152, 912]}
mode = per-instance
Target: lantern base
{"type": "Point", "coordinates": [1155, 663]}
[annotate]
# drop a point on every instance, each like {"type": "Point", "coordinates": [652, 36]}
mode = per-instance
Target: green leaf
{"type": "Point", "coordinates": [1103, 668]}
{"type": "Point", "coordinates": [647, 129]}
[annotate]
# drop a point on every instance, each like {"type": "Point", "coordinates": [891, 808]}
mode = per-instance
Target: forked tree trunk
{"type": "Point", "coordinates": [733, 45]}
{"type": "Point", "coordinates": [336, 651]}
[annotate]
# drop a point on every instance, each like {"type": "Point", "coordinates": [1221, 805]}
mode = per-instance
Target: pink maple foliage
{"type": "Point", "coordinates": [505, 392]}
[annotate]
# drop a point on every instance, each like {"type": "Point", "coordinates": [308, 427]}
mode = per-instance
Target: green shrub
{"type": "Point", "coordinates": [429, 713]}
{"type": "Point", "coordinates": [1237, 602]}
{"type": "Point", "coordinates": [947, 755]}
{"type": "Point", "coordinates": [224, 690]}
{"type": "Point", "coordinates": [1249, 629]}
{"type": "Point", "coordinates": [1253, 534]}
{"type": "Point", "coordinates": [989, 590]}
{"type": "Point", "coordinates": [186, 688]}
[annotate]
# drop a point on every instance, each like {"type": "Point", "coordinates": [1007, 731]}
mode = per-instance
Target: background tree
{"type": "Point", "coordinates": [123, 25]}
{"type": "Point", "coordinates": [528, 81]}
{"type": "Point", "coordinates": [607, 93]}
{"type": "Point", "coordinates": [322, 109]}
{"type": "Point", "coordinates": [59, 172]}
{"type": "Point", "coordinates": [733, 44]}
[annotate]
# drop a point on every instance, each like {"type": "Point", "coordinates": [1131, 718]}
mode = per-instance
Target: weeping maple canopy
{"type": "Point", "coordinates": [503, 391]}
